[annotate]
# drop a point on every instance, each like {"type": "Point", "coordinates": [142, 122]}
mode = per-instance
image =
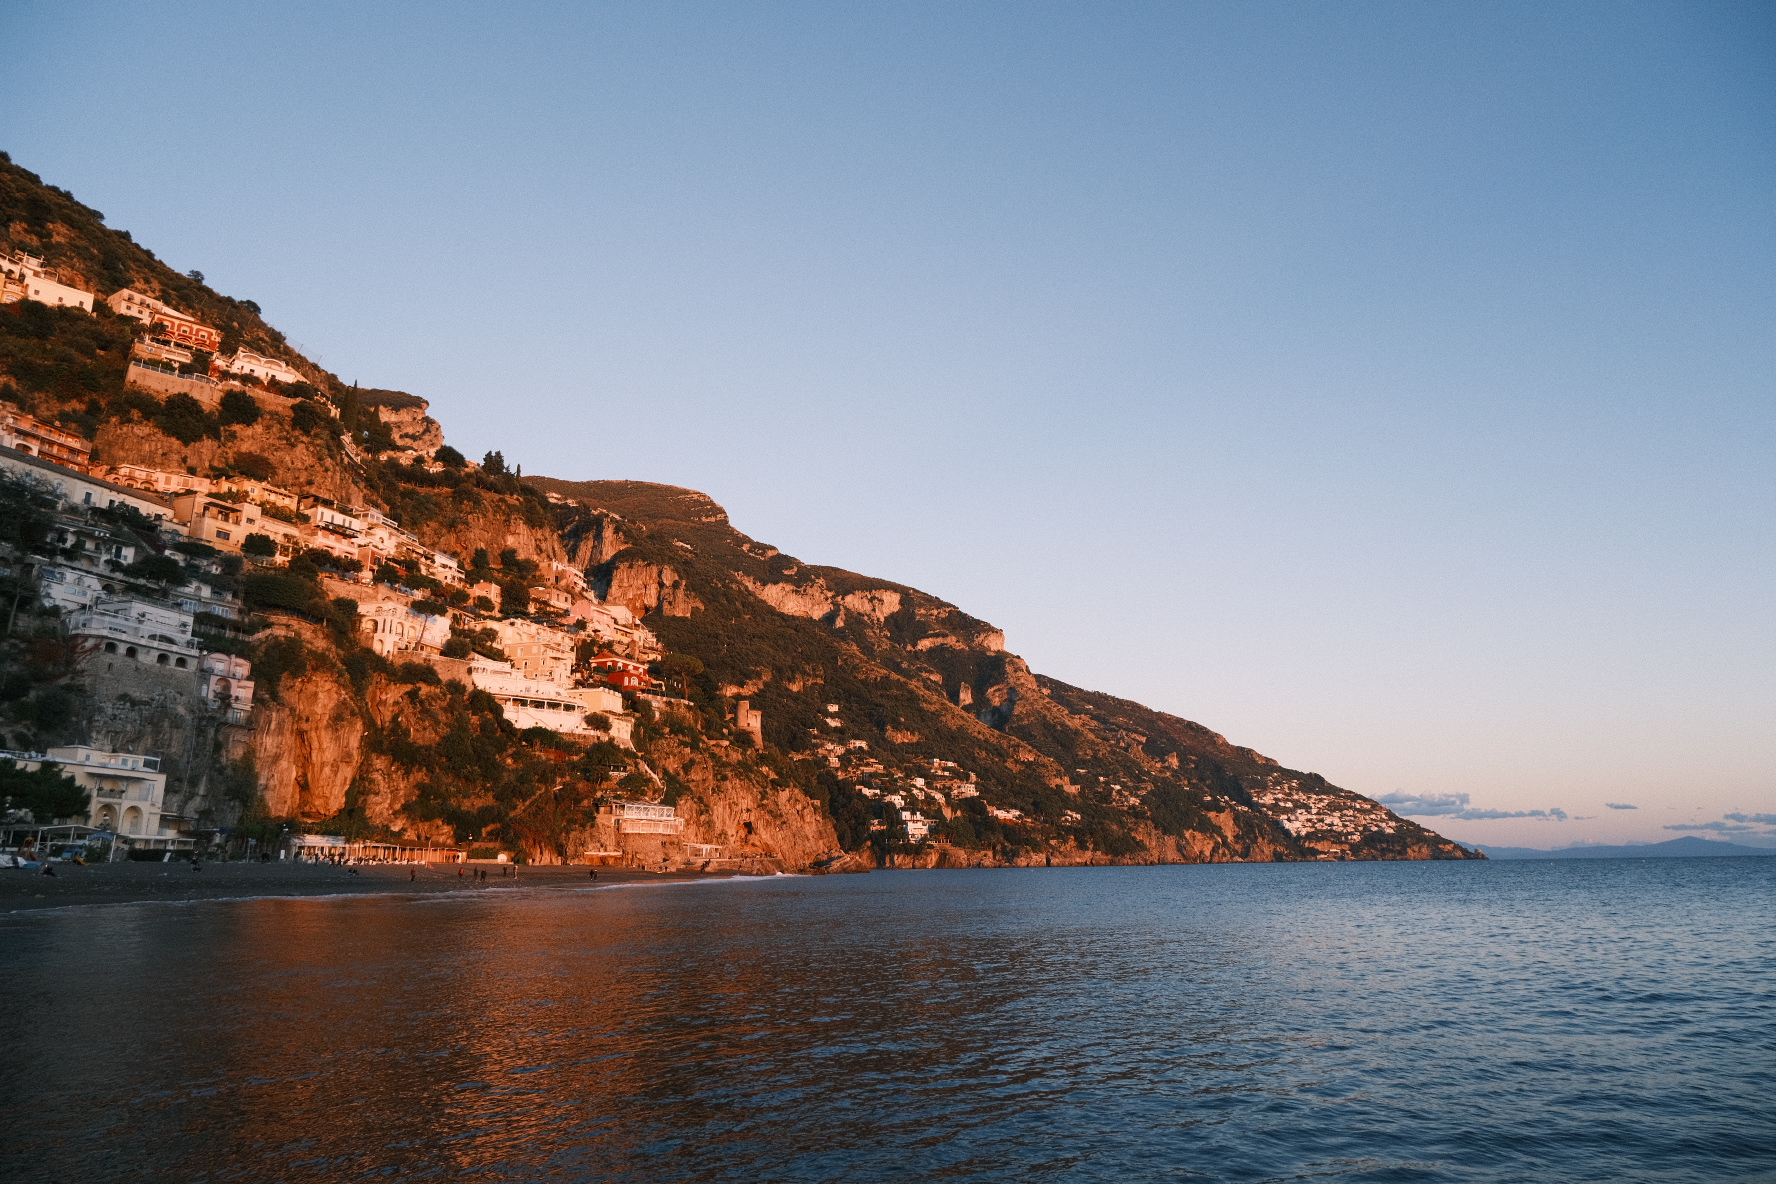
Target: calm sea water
{"type": "Point", "coordinates": [1584, 1020]}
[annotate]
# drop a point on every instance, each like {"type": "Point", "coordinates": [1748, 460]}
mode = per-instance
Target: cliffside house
{"type": "Point", "coordinates": [918, 827]}
{"type": "Point", "coordinates": [77, 489]}
{"type": "Point", "coordinates": [616, 627]}
{"type": "Point", "coordinates": [245, 361]}
{"type": "Point", "coordinates": [127, 793]}
{"type": "Point", "coordinates": [84, 565]}
{"type": "Point", "coordinates": [536, 703]}
{"type": "Point", "coordinates": [537, 651]}
{"type": "Point", "coordinates": [626, 674]}
{"type": "Point", "coordinates": [328, 515]}
{"type": "Point", "coordinates": [209, 519]}
{"type": "Point", "coordinates": [23, 277]}
{"type": "Point", "coordinates": [228, 685]}
{"type": "Point", "coordinates": [640, 818]}
{"type": "Point", "coordinates": [556, 601]}
{"type": "Point", "coordinates": [164, 321]}
{"type": "Point", "coordinates": [155, 479]}
{"type": "Point", "coordinates": [393, 626]}
{"type": "Point", "coordinates": [31, 436]}
{"type": "Point", "coordinates": [138, 630]}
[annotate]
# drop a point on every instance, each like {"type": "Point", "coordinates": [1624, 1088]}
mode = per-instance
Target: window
{"type": "Point", "coordinates": [222, 534]}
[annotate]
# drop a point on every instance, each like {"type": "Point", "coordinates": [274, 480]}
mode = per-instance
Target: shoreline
{"type": "Point", "coordinates": [152, 883]}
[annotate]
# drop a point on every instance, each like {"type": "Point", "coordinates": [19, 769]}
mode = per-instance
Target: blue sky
{"type": "Point", "coordinates": [1387, 386]}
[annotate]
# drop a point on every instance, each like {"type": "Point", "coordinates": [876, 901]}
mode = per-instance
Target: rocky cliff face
{"type": "Point", "coordinates": [874, 694]}
{"type": "Point", "coordinates": [873, 685]}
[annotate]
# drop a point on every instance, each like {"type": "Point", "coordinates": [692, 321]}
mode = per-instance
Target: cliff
{"type": "Point", "coordinates": [874, 694]}
{"type": "Point", "coordinates": [869, 684]}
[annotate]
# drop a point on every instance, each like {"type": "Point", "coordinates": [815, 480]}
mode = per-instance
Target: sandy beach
{"type": "Point", "coordinates": [122, 883]}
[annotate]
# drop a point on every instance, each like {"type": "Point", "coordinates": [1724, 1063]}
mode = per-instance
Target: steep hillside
{"type": "Point", "coordinates": [871, 682]}
{"type": "Point", "coordinates": [872, 693]}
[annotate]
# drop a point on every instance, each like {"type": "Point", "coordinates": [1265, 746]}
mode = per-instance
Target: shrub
{"type": "Point", "coordinates": [458, 647]}
{"type": "Point", "coordinates": [185, 420]}
{"type": "Point", "coordinates": [547, 738]}
{"type": "Point", "coordinates": [274, 590]}
{"type": "Point", "coordinates": [417, 672]}
{"type": "Point", "coordinates": [259, 546]}
{"type": "Point", "coordinates": [157, 569]}
{"type": "Point", "coordinates": [309, 416]}
{"type": "Point", "coordinates": [277, 659]}
{"type": "Point", "coordinates": [239, 407]}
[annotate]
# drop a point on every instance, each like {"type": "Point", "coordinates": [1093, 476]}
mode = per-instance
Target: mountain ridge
{"type": "Point", "coordinates": [1688, 847]}
{"type": "Point", "coordinates": [872, 692]}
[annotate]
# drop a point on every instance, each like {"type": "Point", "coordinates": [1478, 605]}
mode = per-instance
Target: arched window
{"type": "Point", "coordinates": [179, 662]}
{"type": "Point", "coordinates": [110, 647]}
{"type": "Point", "coordinates": [130, 652]}
{"type": "Point", "coordinates": [161, 660]}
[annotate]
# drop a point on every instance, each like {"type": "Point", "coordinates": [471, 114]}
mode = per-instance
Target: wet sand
{"type": "Point", "coordinates": [121, 883]}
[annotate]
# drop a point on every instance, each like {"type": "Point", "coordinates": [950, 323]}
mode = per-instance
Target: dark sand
{"type": "Point", "coordinates": [122, 883]}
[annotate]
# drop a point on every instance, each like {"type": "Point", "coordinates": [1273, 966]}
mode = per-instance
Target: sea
{"type": "Point", "coordinates": [1608, 1020]}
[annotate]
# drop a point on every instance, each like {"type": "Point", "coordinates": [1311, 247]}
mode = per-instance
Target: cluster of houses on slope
{"type": "Point", "coordinates": [123, 634]}
{"type": "Point", "coordinates": [173, 338]}
{"type": "Point", "coordinates": [909, 807]}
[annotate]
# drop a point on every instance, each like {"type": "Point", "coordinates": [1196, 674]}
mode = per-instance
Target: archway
{"type": "Point", "coordinates": [132, 820]}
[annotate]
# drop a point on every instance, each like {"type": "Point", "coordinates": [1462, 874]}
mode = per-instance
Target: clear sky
{"type": "Point", "coordinates": [1386, 385]}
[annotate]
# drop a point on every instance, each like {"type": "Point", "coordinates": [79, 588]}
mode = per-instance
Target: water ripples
{"type": "Point", "coordinates": [1595, 1020]}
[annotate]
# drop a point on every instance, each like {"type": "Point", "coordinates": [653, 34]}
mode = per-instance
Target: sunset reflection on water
{"type": "Point", "coordinates": [1220, 1023]}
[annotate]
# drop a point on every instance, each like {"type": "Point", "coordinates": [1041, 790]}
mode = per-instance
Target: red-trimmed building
{"type": "Point", "coordinates": [164, 321]}
{"type": "Point", "coordinates": [626, 674]}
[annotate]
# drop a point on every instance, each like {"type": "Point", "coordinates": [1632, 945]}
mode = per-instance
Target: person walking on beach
{"type": "Point", "coordinates": [412, 875]}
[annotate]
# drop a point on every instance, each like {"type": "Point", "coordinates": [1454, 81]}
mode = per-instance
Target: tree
{"type": "Point", "coordinates": [239, 407]}
{"type": "Point", "coordinates": [157, 569]}
{"type": "Point", "coordinates": [450, 458]}
{"type": "Point", "coordinates": [494, 464]}
{"type": "Point", "coordinates": [681, 669]}
{"type": "Point", "coordinates": [514, 598]}
{"type": "Point", "coordinates": [45, 791]}
{"type": "Point", "coordinates": [259, 546]}
{"type": "Point", "coordinates": [195, 274]}
{"type": "Point", "coordinates": [185, 420]}
{"type": "Point", "coordinates": [309, 416]}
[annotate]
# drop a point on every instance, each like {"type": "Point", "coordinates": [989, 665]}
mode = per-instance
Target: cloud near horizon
{"type": "Point", "coordinates": [1455, 805]}
{"type": "Point", "coordinates": [1760, 824]}
{"type": "Point", "coordinates": [1621, 806]}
